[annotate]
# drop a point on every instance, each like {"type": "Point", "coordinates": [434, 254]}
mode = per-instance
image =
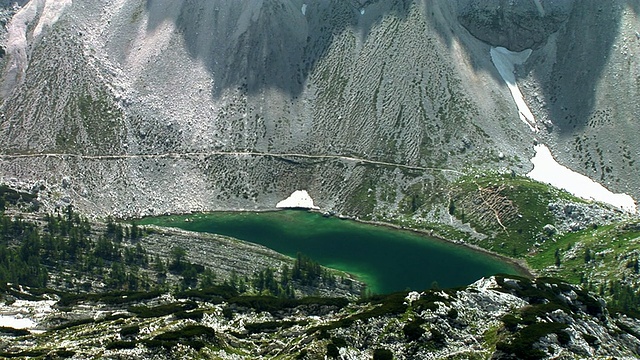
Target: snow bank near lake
{"type": "Point", "coordinates": [505, 61]}
{"type": "Point", "coordinates": [547, 170]}
{"type": "Point", "coordinates": [299, 199]}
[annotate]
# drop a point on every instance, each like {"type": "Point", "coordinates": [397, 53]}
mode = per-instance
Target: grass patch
{"type": "Point", "coordinates": [522, 344]}
{"type": "Point", "coordinates": [491, 337]}
{"type": "Point", "coordinates": [13, 332]}
{"type": "Point", "coordinates": [521, 204]}
{"type": "Point", "coordinates": [71, 324]}
{"type": "Point", "coordinates": [194, 336]}
{"type": "Point", "coordinates": [269, 326]}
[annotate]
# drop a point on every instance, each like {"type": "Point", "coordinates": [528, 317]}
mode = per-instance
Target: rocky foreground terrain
{"type": "Point", "coordinates": [499, 318]}
{"type": "Point", "coordinates": [78, 289]}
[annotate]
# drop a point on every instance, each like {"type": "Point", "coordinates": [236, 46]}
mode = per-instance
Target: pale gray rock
{"type": "Point", "coordinates": [209, 105]}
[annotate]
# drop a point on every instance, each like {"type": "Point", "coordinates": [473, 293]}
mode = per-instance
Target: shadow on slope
{"type": "Point", "coordinates": [267, 44]}
{"type": "Point", "coordinates": [258, 44]}
{"type": "Point", "coordinates": [584, 51]}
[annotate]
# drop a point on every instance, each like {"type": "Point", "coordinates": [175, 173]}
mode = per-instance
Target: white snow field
{"type": "Point", "coordinates": [298, 199]}
{"type": "Point", "coordinates": [547, 170]}
{"type": "Point", "coordinates": [505, 60]}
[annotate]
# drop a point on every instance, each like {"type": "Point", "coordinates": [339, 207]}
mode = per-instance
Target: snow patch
{"type": "Point", "coordinates": [25, 314]}
{"type": "Point", "coordinates": [304, 9]}
{"type": "Point", "coordinates": [298, 199]}
{"type": "Point", "coordinates": [505, 60]}
{"type": "Point", "coordinates": [16, 323]}
{"type": "Point", "coordinates": [547, 170]}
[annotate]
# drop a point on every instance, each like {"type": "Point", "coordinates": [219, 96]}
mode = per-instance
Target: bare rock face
{"type": "Point", "coordinates": [372, 106]}
{"type": "Point", "coordinates": [514, 24]}
{"type": "Point", "coordinates": [216, 105]}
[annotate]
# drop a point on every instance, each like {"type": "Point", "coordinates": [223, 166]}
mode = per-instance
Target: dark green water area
{"type": "Point", "coordinates": [386, 259]}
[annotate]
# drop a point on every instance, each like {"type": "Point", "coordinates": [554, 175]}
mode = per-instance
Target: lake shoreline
{"type": "Point", "coordinates": [519, 265]}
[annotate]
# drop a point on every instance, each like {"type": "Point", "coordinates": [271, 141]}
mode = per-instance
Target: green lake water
{"type": "Point", "coordinates": [386, 259]}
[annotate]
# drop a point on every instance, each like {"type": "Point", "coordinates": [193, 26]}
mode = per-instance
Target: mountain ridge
{"type": "Point", "coordinates": [142, 78]}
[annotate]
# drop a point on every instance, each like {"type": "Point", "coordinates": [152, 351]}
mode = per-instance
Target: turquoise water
{"type": "Point", "coordinates": [386, 259]}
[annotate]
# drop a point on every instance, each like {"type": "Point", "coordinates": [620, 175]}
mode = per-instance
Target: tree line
{"type": "Point", "coordinates": [63, 250]}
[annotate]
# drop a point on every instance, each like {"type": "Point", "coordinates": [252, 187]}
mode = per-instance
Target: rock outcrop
{"type": "Point", "coordinates": [514, 24]}
{"type": "Point", "coordinates": [498, 317]}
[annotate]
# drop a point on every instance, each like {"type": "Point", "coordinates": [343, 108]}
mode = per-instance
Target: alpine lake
{"type": "Point", "coordinates": [386, 259]}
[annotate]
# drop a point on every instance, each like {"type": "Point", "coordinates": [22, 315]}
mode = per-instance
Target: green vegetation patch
{"type": "Point", "coordinates": [362, 200]}
{"type": "Point", "coordinates": [269, 326]}
{"type": "Point", "coordinates": [429, 300]}
{"type": "Point", "coordinates": [130, 330]}
{"type": "Point", "coordinates": [512, 210]}
{"type": "Point", "coordinates": [627, 329]}
{"type": "Point", "coordinates": [23, 354]}
{"type": "Point", "coordinates": [274, 304]}
{"type": "Point", "coordinates": [603, 259]}
{"type": "Point", "coordinates": [13, 332]}
{"type": "Point", "coordinates": [72, 323]}
{"type": "Point", "coordinates": [215, 294]}
{"type": "Point", "coordinates": [193, 315]}
{"type": "Point", "coordinates": [546, 295]}
{"type": "Point", "coordinates": [413, 330]}
{"type": "Point", "coordinates": [121, 345]}
{"type": "Point", "coordinates": [382, 354]}
{"type": "Point", "coordinates": [194, 336]}
{"type": "Point", "coordinates": [383, 305]}
{"type": "Point", "coordinates": [522, 343]}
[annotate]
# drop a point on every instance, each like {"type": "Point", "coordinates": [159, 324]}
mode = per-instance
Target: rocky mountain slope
{"type": "Point", "coordinates": [390, 111]}
{"type": "Point", "coordinates": [137, 107]}
{"type": "Point", "coordinates": [499, 317]}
